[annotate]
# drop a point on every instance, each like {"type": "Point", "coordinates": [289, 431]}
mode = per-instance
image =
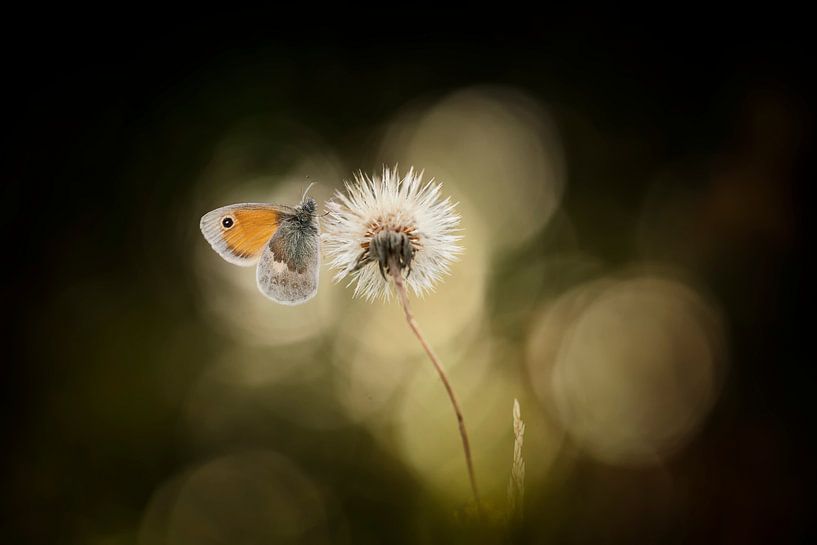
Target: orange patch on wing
{"type": "Point", "coordinates": [251, 230]}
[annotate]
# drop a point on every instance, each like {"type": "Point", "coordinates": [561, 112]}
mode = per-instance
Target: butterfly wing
{"type": "Point", "coordinates": [288, 269]}
{"type": "Point", "coordinates": [239, 232]}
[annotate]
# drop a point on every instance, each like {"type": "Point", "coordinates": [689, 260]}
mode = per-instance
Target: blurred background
{"type": "Point", "coordinates": [633, 233]}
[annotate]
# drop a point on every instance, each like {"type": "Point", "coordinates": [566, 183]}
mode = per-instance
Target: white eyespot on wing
{"type": "Point", "coordinates": [239, 232]}
{"type": "Point", "coordinates": [280, 280]}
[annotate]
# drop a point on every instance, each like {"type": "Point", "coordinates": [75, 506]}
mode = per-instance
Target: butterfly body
{"type": "Point", "coordinates": [283, 241]}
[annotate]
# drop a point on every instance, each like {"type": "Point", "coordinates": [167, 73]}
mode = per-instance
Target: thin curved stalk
{"type": "Point", "coordinates": [394, 271]}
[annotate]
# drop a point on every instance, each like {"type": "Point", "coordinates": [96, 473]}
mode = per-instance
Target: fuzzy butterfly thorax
{"type": "Point", "coordinates": [296, 241]}
{"type": "Point", "coordinates": [306, 211]}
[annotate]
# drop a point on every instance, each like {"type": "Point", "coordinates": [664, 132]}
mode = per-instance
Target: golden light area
{"type": "Point", "coordinates": [494, 144]}
{"type": "Point", "coordinates": [233, 299]}
{"type": "Point", "coordinates": [375, 351]}
{"type": "Point", "coordinates": [533, 279]}
{"type": "Point", "coordinates": [231, 296]}
{"type": "Point", "coordinates": [630, 368]}
{"type": "Point", "coordinates": [486, 386]}
{"type": "Point", "coordinates": [241, 498]}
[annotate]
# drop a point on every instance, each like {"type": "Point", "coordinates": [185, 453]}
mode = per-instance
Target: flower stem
{"type": "Point", "coordinates": [395, 272]}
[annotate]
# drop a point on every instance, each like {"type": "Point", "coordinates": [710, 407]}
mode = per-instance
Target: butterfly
{"type": "Point", "coordinates": [284, 241]}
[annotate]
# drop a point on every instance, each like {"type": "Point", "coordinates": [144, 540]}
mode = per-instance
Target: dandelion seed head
{"type": "Point", "coordinates": [399, 216]}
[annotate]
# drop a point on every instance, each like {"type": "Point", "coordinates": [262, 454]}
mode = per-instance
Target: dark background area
{"type": "Point", "coordinates": [108, 127]}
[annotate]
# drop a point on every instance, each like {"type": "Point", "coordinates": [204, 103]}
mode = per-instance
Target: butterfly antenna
{"type": "Point", "coordinates": [307, 191]}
